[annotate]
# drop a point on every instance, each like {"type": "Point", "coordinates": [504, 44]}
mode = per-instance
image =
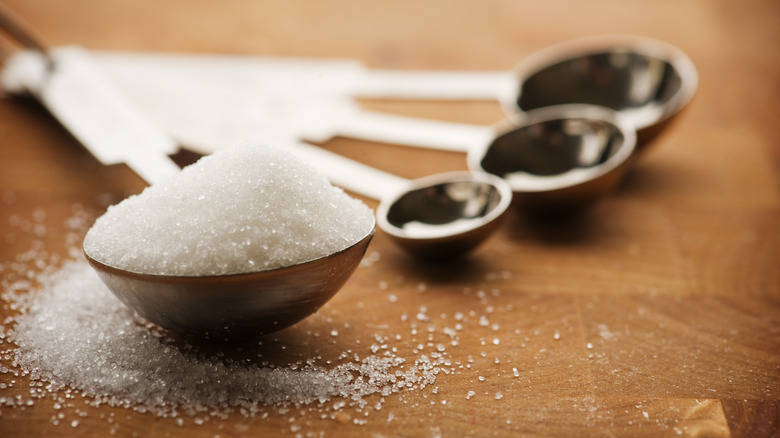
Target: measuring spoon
{"type": "Point", "coordinates": [213, 306]}
{"type": "Point", "coordinates": [647, 80]}
{"type": "Point", "coordinates": [434, 217]}
{"type": "Point", "coordinates": [234, 306]}
{"type": "Point", "coordinates": [556, 158]}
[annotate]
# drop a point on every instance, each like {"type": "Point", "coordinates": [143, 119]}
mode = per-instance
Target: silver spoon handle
{"type": "Point", "coordinates": [446, 85]}
{"type": "Point", "coordinates": [409, 131]}
{"type": "Point", "coordinates": [351, 175]}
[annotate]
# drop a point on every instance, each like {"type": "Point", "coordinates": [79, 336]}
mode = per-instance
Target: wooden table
{"type": "Point", "coordinates": [656, 313]}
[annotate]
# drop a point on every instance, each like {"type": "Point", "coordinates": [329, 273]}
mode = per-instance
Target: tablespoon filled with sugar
{"type": "Point", "coordinates": [188, 258]}
{"type": "Point", "coordinates": [183, 255]}
{"type": "Point", "coordinates": [440, 216]}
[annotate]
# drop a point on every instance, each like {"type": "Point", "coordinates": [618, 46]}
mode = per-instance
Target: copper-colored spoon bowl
{"type": "Point", "coordinates": [648, 81]}
{"type": "Point", "coordinates": [561, 158]}
{"type": "Point", "coordinates": [234, 306]}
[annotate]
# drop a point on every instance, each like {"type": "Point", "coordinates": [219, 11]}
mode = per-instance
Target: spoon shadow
{"type": "Point", "coordinates": [469, 268]}
{"type": "Point", "coordinates": [302, 343]}
{"type": "Point", "coordinates": [570, 227]}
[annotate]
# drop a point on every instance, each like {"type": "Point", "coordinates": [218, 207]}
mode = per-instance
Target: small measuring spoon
{"type": "Point", "coordinates": [434, 217]}
{"type": "Point", "coordinates": [556, 158]}
{"type": "Point", "coordinates": [559, 158]}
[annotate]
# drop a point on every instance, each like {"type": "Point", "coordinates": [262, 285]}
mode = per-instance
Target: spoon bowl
{"type": "Point", "coordinates": [559, 158]}
{"type": "Point", "coordinates": [445, 214]}
{"type": "Point", "coordinates": [238, 306]}
{"type": "Point", "coordinates": [646, 80]}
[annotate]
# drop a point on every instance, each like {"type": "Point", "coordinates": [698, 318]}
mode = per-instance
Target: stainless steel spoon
{"type": "Point", "coordinates": [649, 80]}
{"type": "Point", "coordinates": [646, 80]}
{"type": "Point", "coordinates": [435, 217]}
{"type": "Point", "coordinates": [234, 306]}
{"type": "Point", "coordinates": [555, 159]}
{"type": "Point", "coordinates": [559, 159]}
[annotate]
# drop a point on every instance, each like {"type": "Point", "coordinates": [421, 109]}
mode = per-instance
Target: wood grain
{"type": "Point", "coordinates": [656, 313]}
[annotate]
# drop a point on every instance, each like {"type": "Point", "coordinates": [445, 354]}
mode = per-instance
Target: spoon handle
{"type": "Point", "coordinates": [410, 131]}
{"type": "Point", "coordinates": [351, 175]}
{"type": "Point", "coordinates": [446, 85]}
{"type": "Point", "coordinates": [97, 113]}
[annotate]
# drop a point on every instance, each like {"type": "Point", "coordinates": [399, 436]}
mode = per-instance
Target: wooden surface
{"type": "Point", "coordinates": [657, 313]}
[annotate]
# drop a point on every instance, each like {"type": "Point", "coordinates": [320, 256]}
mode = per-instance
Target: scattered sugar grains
{"type": "Point", "coordinates": [73, 333]}
{"type": "Point", "coordinates": [243, 209]}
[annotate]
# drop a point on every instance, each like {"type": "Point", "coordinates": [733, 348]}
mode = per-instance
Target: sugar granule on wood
{"type": "Point", "coordinates": [243, 209]}
{"type": "Point", "coordinates": [73, 333]}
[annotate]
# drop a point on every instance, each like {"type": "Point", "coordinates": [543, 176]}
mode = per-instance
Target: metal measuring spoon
{"type": "Point", "coordinates": [647, 80]}
{"type": "Point", "coordinates": [234, 306]}
{"type": "Point", "coordinates": [557, 158]}
{"type": "Point", "coordinates": [435, 217]}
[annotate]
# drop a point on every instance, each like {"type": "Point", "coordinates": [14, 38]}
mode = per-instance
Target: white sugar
{"type": "Point", "coordinates": [243, 209]}
{"type": "Point", "coordinates": [73, 333]}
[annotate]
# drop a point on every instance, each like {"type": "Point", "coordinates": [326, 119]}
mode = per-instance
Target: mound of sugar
{"type": "Point", "coordinates": [243, 209]}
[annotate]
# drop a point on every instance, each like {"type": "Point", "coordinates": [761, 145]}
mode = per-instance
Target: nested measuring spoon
{"type": "Point", "coordinates": [556, 159]}
{"type": "Point", "coordinates": [560, 158]}
{"type": "Point", "coordinates": [647, 80]}
{"type": "Point", "coordinates": [435, 217]}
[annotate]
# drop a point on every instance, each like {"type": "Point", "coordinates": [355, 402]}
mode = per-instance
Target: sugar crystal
{"type": "Point", "coordinates": [73, 333]}
{"type": "Point", "coordinates": [243, 209]}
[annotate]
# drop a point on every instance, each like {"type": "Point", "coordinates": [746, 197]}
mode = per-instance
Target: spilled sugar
{"type": "Point", "coordinates": [73, 333]}
{"type": "Point", "coordinates": [70, 336]}
{"type": "Point", "coordinates": [243, 209]}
